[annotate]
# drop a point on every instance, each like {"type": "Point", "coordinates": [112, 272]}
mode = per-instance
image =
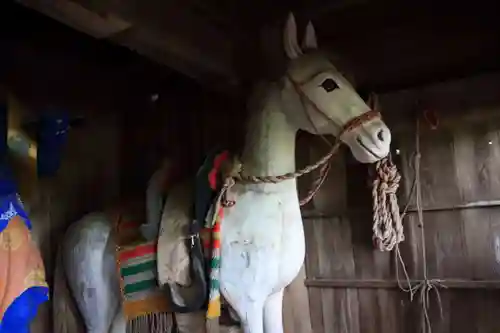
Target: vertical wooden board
{"type": "Point", "coordinates": [487, 308]}
{"type": "Point", "coordinates": [312, 250]}
{"type": "Point", "coordinates": [477, 150]}
{"type": "Point", "coordinates": [466, 169]}
{"type": "Point", "coordinates": [352, 310]}
{"type": "Point", "coordinates": [442, 305]}
{"type": "Point", "coordinates": [331, 198]}
{"type": "Point", "coordinates": [316, 308]}
{"type": "Point", "coordinates": [333, 237]}
{"type": "Point", "coordinates": [345, 316]}
{"type": "Point", "coordinates": [462, 314]}
{"type": "Point", "coordinates": [410, 248]}
{"type": "Point", "coordinates": [444, 244]}
{"type": "Point", "coordinates": [392, 310]}
{"type": "Point", "coordinates": [296, 313]}
{"type": "Point", "coordinates": [330, 312]}
{"type": "Point", "coordinates": [482, 235]}
{"type": "Point", "coordinates": [369, 317]}
{"type": "Point", "coordinates": [335, 260]}
{"type": "Point", "coordinates": [303, 157]}
{"type": "Point", "coordinates": [491, 268]}
{"type": "Point", "coordinates": [486, 160]}
{"type": "Point", "coordinates": [333, 250]}
{"type": "Point", "coordinates": [437, 175]}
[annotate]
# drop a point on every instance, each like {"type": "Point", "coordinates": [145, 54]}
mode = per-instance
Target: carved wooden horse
{"type": "Point", "coordinates": [262, 236]}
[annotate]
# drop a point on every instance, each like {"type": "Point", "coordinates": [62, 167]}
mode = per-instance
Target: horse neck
{"type": "Point", "coordinates": [270, 143]}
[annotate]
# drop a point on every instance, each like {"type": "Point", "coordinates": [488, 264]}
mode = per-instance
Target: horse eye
{"type": "Point", "coordinates": [329, 85]}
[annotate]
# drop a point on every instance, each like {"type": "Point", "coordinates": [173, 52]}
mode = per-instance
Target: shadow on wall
{"type": "Point", "coordinates": [88, 180]}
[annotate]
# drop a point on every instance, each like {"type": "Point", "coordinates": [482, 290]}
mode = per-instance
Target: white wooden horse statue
{"type": "Point", "coordinates": [263, 245]}
{"type": "Point", "coordinates": [262, 236]}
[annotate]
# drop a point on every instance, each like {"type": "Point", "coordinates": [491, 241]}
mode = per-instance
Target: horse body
{"type": "Point", "coordinates": [88, 258]}
{"type": "Point", "coordinates": [263, 250]}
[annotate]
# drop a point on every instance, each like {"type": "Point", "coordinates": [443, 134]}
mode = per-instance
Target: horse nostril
{"type": "Point", "coordinates": [380, 135]}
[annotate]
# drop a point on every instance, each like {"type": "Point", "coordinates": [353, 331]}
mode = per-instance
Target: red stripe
{"type": "Point", "coordinates": [216, 243]}
{"type": "Point", "coordinates": [138, 251]}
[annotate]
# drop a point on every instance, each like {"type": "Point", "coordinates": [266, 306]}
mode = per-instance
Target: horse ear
{"type": "Point", "coordinates": [310, 42]}
{"type": "Point", "coordinates": [291, 43]}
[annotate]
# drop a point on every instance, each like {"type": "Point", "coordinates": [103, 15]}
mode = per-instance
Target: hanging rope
{"type": "Point", "coordinates": [387, 222]}
{"type": "Point", "coordinates": [388, 229]}
{"type": "Point", "coordinates": [426, 286]}
{"type": "Point", "coordinates": [387, 225]}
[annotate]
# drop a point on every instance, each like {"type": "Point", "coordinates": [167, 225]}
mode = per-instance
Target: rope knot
{"type": "Point", "coordinates": [387, 225]}
{"type": "Point", "coordinates": [230, 170]}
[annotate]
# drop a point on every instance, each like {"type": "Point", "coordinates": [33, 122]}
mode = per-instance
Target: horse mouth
{"type": "Point", "coordinates": [361, 143]}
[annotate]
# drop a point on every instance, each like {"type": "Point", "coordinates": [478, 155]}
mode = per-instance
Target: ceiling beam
{"type": "Point", "coordinates": [162, 30]}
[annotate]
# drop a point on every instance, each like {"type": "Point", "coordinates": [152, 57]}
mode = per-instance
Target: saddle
{"type": "Point", "coordinates": [184, 244]}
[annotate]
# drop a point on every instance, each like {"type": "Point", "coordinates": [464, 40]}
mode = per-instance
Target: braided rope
{"type": "Point", "coordinates": [387, 223]}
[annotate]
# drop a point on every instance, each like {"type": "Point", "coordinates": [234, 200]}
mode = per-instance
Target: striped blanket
{"type": "Point", "coordinates": [145, 307]}
{"type": "Point", "coordinates": [139, 280]}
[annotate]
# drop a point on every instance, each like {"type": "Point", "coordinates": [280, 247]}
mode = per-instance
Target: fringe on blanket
{"type": "Point", "coordinates": [154, 323]}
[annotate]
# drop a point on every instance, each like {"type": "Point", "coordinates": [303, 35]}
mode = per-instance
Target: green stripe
{"type": "Point", "coordinates": [214, 284]}
{"type": "Point", "coordinates": [143, 276]}
{"type": "Point", "coordinates": [140, 286]}
{"type": "Point", "coordinates": [215, 263]}
{"type": "Point", "coordinates": [134, 269]}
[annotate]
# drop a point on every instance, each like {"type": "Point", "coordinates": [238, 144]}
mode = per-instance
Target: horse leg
{"type": "Point", "coordinates": [273, 313]}
{"type": "Point", "coordinates": [251, 315]}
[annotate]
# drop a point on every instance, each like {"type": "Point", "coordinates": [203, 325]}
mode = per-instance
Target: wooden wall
{"type": "Point", "coordinates": [89, 176]}
{"type": "Point", "coordinates": [352, 286]}
{"type": "Point", "coordinates": [183, 125]}
{"type": "Point", "coordinates": [88, 180]}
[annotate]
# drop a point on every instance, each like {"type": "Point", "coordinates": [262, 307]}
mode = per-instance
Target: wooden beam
{"type": "Point", "coordinates": [79, 18]}
{"type": "Point", "coordinates": [393, 284]}
{"type": "Point", "coordinates": [165, 31]}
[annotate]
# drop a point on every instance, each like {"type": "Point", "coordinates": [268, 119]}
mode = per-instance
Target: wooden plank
{"type": "Point", "coordinates": [296, 313]}
{"type": "Point", "coordinates": [164, 31]}
{"type": "Point", "coordinates": [80, 18]}
{"type": "Point", "coordinates": [324, 283]}
{"type": "Point", "coordinates": [485, 204]}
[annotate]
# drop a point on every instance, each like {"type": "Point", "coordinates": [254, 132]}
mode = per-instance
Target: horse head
{"type": "Point", "coordinates": [317, 98]}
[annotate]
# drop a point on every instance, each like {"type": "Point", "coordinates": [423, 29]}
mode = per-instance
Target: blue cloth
{"type": "Point", "coordinates": [52, 136]}
{"type": "Point", "coordinates": [23, 310]}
